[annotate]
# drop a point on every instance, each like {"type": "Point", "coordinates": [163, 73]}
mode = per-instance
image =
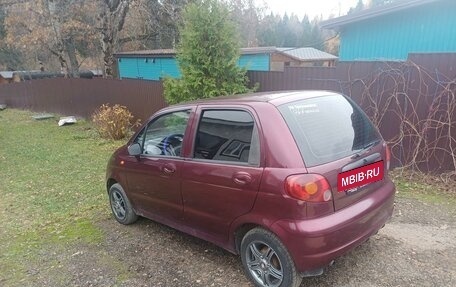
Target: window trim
{"type": "Point", "coordinates": [197, 120]}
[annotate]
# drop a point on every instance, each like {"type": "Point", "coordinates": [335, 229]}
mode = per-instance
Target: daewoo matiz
{"type": "Point", "coordinates": [288, 180]}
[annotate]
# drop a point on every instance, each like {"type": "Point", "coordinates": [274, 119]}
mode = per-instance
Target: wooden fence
{"type": "Point", "coordinates": [81, 97]}
{"type": "Point", "coordinates": [413, 103]}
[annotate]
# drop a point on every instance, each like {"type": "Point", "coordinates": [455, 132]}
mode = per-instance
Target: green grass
{"type": "Point", "coordinates": [53, 197]}
{"type": "Point", "coordinates": [418, 187]}
{"type": "Point", "coordinates": [51, 186]}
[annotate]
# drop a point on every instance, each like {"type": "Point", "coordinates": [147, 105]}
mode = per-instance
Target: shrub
{"type": "Point", "coordinates": [113, 122]}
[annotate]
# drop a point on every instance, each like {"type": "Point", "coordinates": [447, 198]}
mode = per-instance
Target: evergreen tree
{"type": "Point", "coordinates": [207, 55]}
{"type": "Point", "coordinates": [292, 31]}
{"type": "Point", "coordinates": [10, 59]}
{"type": "Point", "coordinates": [268, 34]}
{"type": "Point", "coordinates": [289, 31]}
{"type": "Point", "coordinates": [318, 42]}
{"type": "Point", "coordinates": [306, 34]}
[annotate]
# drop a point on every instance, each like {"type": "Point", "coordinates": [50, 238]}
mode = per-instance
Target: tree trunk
{"type": "Point", "coordinates": [112, 19]}
{"type": "Point", "coordinates": [63, 65]}
{"type": "Point", "coordinates": [56, 26]}
{"type": "Point", "coordinates": [74, 64]}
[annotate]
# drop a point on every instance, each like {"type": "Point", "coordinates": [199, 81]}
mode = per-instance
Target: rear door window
{"type": "Point", "coordinates": [227, 135]}
{"type": "Point", "coordinates": [328, 128]}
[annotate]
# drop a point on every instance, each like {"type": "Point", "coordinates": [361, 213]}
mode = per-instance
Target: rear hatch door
{"type": "Point", "coordinates": [337, 140]}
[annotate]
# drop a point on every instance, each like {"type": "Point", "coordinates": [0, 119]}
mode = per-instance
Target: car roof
{"type": "Point", "coordinates": [275, 98]}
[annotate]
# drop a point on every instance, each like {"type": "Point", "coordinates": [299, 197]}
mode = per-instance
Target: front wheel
{"type": "Point", "coordinates": [121, 206]}
{"type": "Point", "coordinates": [266, 260]}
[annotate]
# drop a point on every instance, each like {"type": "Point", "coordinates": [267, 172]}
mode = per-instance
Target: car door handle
{"type": "Point", "coordinates": [169, 169]}
{"type": "Point", "coordinates": [242, 178]}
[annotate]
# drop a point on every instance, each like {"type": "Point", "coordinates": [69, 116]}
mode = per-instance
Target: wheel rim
{"type": "Point", "coordinates": [118, 205]}
{"type": "Point", "coordinates": [264, 265]}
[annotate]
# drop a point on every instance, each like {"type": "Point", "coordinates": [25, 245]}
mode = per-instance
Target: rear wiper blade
{"type": "Point", "coordinates": [368, 146]}
{"type": "Point", "coordinates": [365, 148]}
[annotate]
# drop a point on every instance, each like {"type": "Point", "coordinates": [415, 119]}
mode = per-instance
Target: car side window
{"type": "Point", "coordinates": [227, 135]}
{"type": "Point", "coordinates": [164, 135]}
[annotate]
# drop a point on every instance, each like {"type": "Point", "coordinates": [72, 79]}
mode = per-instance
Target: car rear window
{"type": "Point", "coordinates": [328, 128]}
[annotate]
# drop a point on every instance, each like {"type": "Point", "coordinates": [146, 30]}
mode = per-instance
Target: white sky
{"type": "Point", "coordinates": [310, 7]}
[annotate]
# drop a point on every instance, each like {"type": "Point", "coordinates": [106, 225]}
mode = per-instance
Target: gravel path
{"type": "Point", "coordinates": [417, 248]}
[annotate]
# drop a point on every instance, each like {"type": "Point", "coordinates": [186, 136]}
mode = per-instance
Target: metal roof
{"type": "Point", "coordinates": [307, 54]}
{"type": "Point", "coordinates": [6, 74]}
{"type": "Point", "coordinates": [335, 23]}
{"type": "Point", "coordinates": [258, 50]}
{"type": "Point", "coordinates": [158, 52]}
{"type": "Point", "coordinates": [172, 52]}
{"type": "Point", "coordinates": [301, 54]}
{"type": "Point", "coordinates": [10, 74]}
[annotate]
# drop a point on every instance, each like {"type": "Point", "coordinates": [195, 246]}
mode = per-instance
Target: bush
{"type": "Point", "coordinates": [113, 122]}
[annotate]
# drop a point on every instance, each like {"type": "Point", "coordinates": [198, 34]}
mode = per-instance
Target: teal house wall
{"type": "Point", "coordinates": [147, 68]}
{"type": "Point", "coordinates": [255, 62]}
{"type": "Point", "coordinates": [154, 68]}
{"type": "Point", "coordinates": [427, 28]}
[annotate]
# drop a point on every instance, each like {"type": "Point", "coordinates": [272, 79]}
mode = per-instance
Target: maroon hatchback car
{"type": "Point", "coordinates": [288, 180]}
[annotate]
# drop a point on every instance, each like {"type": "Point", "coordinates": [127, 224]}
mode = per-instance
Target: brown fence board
{"type": "Point", "coordinates": [402, 92]}
{"type": "Point", "coordinates": [81, 97]}
{"type": "Point", "coordinates": [420, 91]}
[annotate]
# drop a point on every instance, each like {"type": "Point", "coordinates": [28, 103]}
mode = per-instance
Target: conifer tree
{"type": "Point", "coordinates": [207, 55]}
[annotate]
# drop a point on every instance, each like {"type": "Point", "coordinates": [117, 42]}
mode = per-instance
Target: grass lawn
{"type": "Point", "coordinates": [53, 198]}
{"type": "Point", "coordinates": [51, 186]}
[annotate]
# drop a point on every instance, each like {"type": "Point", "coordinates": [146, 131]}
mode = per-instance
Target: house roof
{"type": "Point", "coordinates": [172, 52]}
{"type": "Point", "coordinates": [10, 74]}
{"type": "Point", "coordinates": [6, 74]}
{"type": "Point", "coordinates": [307, 54]}
{"type": "Point", "coordinates": [300, 54]}
{"type": "Point", "coordinates": [258, 50]}
{"type": "Point", "coordinates": [158, 52]}
{"type": "Point", "coordinates": [338, 22]}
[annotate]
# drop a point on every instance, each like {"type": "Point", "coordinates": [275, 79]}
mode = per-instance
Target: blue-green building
{"type": "Point", "coordinates": [157, 64]}
{"type": "Point", "coordinates": [392, 31]}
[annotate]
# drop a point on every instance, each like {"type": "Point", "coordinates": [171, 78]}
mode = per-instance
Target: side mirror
{"type": "Point", "coordinates": [134, 149]}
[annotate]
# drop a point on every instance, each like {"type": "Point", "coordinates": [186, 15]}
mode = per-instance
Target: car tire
{"type": "Point", "coordinates": [266, 260]}
{"type": "Point", "coordinates": [120, 205]}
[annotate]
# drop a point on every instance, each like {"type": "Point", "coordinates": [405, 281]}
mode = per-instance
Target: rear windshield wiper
{"type": "Point", "coordinates": [365, 148]}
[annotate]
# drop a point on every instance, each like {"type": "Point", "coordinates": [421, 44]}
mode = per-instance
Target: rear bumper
{"type": "Point", "coordinates": [316, 242]}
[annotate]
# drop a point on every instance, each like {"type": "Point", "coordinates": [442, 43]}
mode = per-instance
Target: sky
{"type": "Point", "coordinates": [310, 7]}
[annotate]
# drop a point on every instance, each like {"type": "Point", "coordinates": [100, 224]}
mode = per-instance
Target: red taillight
{"type": "Point", "coordinates": [388, 157]}
{"type": "Point", "coordinates": [308, 187]}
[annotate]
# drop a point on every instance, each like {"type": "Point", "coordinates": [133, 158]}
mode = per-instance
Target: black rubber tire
{"type": "Point", "coordinates": [290, 278]}
{"type": "Point", "coordinates": [117, 196]}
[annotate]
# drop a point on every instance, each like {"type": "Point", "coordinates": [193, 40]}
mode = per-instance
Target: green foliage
{"type": "Point", "coordinates": [289, 31]}
{"type": "Point", "coordinates": [207, 55]}
{"type": "Point", "coordinates": [113, 122]}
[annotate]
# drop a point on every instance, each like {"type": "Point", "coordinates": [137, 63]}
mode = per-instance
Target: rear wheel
{"type": "Point", "coordinates": [120, 205]}
{"type": "Point", "coordinates": [266, 260]}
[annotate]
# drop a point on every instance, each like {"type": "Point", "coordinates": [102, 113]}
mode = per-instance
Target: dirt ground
{"type": "Point", "coordinates": [417, 248]}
